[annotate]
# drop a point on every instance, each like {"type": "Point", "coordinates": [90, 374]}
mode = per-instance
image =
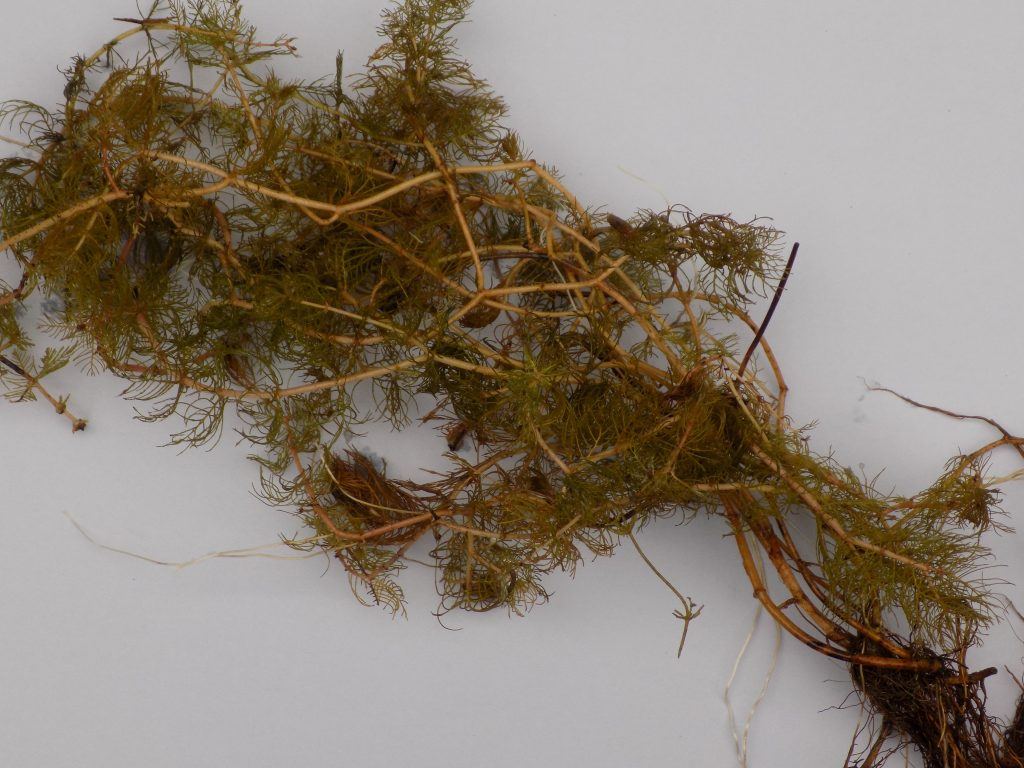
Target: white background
{"type": "Point", "coordinates": [883, 136]}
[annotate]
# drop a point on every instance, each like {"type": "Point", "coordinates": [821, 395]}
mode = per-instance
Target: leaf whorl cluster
{"type": "Point", "coordinates": [315, 256]}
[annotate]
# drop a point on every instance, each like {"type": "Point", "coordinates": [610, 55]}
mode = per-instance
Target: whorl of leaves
{"type": "Point", "coordinates": [319, 256]}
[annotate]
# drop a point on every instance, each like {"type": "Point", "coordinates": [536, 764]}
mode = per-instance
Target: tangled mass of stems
{"type": "Point", "coordinates": [319, 256]}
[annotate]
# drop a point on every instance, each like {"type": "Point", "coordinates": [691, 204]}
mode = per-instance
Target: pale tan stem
{"type": "Point", "coordinates": [70, 213]}
{"type": "Point", "coordinates": [830, 522]}
{"type": "Point", "coordinates": [234, 180]}
{"type": "Point", "coordinates": [543, 444]}
{"type": "Point", "coordinates": [60, 406]}
{"type": "Point", "coordinates": [460, 216]}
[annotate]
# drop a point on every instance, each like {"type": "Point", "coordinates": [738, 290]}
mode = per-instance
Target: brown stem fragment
{"type": "Point", "coordinates": [59, 405]}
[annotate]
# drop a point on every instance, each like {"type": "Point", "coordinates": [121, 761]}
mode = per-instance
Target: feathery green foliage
{"type": "Point", "coordinates": [227, 240]}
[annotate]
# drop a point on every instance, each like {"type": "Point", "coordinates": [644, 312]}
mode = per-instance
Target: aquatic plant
{"type": "Point", "coordinates": [225, 240]}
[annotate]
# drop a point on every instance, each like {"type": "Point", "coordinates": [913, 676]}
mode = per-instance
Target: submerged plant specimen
{"type": "Point", "coordinates": [222, 238]}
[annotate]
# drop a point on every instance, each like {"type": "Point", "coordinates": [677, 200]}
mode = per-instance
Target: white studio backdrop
{"type": "Point", "coordinates": [884, 137]}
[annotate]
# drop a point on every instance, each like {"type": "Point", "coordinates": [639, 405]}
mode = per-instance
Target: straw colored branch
{"type": "Point", "coordinates": [59, 405]}
{"type": "Point", "coordinates": [812, 503]}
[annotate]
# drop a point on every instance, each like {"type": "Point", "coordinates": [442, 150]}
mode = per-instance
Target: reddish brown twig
{"type": "Point", "coordinates": [771, 309]}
